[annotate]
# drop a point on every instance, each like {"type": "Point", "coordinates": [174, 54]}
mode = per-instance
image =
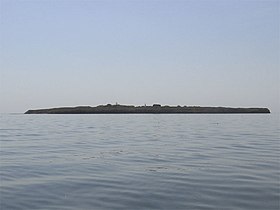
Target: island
{"type": "Point", "coordinates": [154, 109]}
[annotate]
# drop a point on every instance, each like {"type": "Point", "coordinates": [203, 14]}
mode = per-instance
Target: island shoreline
{"type": "Point", "coordinates": [154, 109]}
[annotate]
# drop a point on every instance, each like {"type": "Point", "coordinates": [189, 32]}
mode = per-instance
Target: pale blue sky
{"type": "Point", "coordinates": [86, 52]}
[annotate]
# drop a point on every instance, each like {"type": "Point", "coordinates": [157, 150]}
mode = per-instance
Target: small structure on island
{"type": "Point", "coordinates": [156, 105]}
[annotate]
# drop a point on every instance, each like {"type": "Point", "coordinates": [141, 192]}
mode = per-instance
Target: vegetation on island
{"type": "Point", "coordinates": [154, 109]}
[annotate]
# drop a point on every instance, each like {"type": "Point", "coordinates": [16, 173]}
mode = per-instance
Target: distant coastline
{"type": "Point", "coordinates": [154, 109]}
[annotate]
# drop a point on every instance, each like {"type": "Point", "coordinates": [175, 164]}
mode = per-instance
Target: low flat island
{"type": "Point", "coordinates": [154, 109]}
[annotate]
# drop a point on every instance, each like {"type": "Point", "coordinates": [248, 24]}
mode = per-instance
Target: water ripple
{"type": "Point", "coordinates": [140, 162]}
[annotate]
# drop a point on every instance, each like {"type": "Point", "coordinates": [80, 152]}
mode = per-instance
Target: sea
{"type": "Point", "coordinates": [140, 161]}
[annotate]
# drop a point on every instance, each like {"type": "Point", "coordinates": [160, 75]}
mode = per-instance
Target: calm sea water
{"type": "Point", "coordinates": [140, 162]}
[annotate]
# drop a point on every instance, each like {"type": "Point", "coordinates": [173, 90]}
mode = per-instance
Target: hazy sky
{"type": "Point", "coordinates": [86, 52]}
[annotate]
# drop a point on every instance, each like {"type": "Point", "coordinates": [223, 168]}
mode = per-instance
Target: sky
{"type": "Point", "coordinates": [174, 52]}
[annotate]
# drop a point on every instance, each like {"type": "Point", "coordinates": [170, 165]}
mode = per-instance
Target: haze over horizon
{"type": "Point", "coordinates": [205, 53]}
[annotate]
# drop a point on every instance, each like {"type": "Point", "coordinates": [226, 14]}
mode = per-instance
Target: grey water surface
{"type": "Point", "coordinates": [195, 161]}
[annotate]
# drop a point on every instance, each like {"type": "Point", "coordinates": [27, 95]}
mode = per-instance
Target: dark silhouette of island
{"type": "Point", "coordinates": [154, 109]}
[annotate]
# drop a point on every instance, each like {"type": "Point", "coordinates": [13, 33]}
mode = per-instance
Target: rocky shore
{"type": "Point", "coordinates": [154, 109]}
